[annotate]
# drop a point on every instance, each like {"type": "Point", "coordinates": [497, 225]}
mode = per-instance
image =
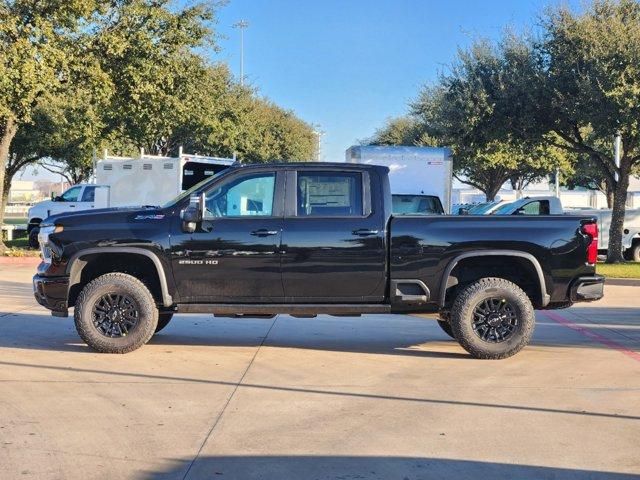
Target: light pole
{"type": "Point", "coordinates": [318, 133]}
{"type": "Point", "coordinates": [242, 24]}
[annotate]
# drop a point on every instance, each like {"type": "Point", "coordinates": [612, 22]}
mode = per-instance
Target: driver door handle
{"type": "Point", "coordinates": [263, 232]}
{"type": "Point", "coordinates": [364, 232]}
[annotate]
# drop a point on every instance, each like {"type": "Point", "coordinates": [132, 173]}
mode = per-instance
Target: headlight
{"type": "Point", "coordinates": [43, 239]}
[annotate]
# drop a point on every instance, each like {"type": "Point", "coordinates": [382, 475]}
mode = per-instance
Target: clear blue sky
{"type": "Point", "coordinates": [349, 65]}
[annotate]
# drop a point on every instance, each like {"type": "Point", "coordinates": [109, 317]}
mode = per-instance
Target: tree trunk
{"type": "Point", "coordinates": [5, 192]}
{"type": "Point", "coordinates": [609, 195]}
{"type": "Point", "coordinates": [8, 132]}
{"type": "Point", "coordinates": [491, 191]}
{"type": "Point", "coordinates": [614, 249]}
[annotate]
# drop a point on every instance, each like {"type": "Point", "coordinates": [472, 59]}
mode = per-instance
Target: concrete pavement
{"type": "Point", "coordinates": [375, 397]}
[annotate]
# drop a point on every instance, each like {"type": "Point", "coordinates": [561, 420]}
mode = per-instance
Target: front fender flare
{"type": "Point", "coordinates": [75, 266]}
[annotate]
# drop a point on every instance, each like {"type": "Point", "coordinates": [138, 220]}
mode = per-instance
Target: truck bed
{"type": "Point", "coordinates": [424, 247]}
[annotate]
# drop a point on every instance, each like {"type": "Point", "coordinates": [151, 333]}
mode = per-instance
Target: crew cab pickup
{"type": "Point", "coordinates": [309, 239]}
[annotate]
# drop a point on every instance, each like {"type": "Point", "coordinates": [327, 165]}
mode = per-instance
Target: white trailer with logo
{"type": "Point", "coordinates": [420, 177]}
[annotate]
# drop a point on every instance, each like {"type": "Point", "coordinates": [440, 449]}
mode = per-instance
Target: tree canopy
{"type": "Point", "coordinates": [78, 76]}
{"type": "Point", "coordinates": [546, 101]}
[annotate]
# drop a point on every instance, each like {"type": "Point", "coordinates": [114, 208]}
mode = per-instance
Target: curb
{"type": "Point", "coordinates": [623, 282]}
{"type": "Point", "coordinates": [19, 261]}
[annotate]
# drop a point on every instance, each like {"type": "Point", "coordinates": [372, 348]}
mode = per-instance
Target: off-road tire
{"type": "Point", "coordinates": [163, 320]}
{"type": "Point", "coordinates": [446, 328]}
{"type": "Point", "coordinates": [462, 318]}
{"type": "Point", "coordinates": [116, 283]}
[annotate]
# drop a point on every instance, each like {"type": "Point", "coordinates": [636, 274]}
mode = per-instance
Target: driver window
{"type": "Point", "coordinates": [71, 195]}
{"type": "Point", "coordinates": [242, 197]}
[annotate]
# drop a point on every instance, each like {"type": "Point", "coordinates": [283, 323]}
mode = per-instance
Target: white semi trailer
{"type": "Point", "coordinates": [420, 177]}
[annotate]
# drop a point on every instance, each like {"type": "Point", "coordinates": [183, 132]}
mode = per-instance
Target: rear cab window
{"type": "Point", "coordinates": [416, 205]}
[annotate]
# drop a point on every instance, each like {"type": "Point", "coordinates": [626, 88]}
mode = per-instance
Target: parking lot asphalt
{"type": "Point", "coordinates": [375, 397]}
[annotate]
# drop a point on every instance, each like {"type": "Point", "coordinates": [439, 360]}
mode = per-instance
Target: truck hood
{"type": "Point", "coordinates": [104, 215]}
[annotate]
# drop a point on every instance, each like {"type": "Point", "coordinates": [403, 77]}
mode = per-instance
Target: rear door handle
{"type": "Point", "coordinates": [263, 232]}
{"type": "Point", "coordinates": [364, 232]}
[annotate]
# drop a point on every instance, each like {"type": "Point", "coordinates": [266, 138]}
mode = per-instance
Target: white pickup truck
{"type": "Point", "coordinates": [128, 181]}
{"type": "Point", "coordinates": [78, 197]}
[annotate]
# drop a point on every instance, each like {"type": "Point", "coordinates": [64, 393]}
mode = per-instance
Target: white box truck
{"type": "Point", "coordinates": [151, 180]}
{"type": "Point", "coordinates": [420, 177]}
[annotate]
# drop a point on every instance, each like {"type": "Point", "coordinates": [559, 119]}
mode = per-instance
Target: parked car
{"type": "Point", "coordinates": [484, 208]}
{"type": "Point", "coordinates": [530, 206]}
{"type": "Point", "coordinates": [309, 239]}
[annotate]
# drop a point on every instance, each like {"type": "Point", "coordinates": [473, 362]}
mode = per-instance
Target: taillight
{"type": "Point", "coordinates": [591, 229]}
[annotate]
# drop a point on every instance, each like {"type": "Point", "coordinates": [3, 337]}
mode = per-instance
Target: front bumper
{"type": "Point", "coordinates": [587, 289]}
{"type": "Point", "coordinates": [51, 293]}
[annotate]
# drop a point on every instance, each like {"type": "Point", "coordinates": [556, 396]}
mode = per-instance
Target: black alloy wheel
{"type": "Point", "coordinates": [494, 320]}
{"type": "Point", "coordinates": [115, 315]}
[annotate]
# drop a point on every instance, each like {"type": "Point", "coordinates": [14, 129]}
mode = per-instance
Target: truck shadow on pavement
{"type": "Point", "coordinates": [366, 467]}
{"type": "Point", "coordinates": [391, 335]}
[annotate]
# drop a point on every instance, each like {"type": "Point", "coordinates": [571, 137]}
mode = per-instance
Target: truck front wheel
{"type": "Point", "coordinates": [115, 313]}
{"type": "Point", "coordinates": [445, 322]}
{"type": "Point", "coordinates": [492, 318]}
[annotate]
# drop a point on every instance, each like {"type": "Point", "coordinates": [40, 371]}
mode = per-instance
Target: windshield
{"type": "Point", "coordinates": [482, 208]}
{"type": "Point", "coordinates": [195, 188]}
{"type": "Point", "coordinates": [502, 209]}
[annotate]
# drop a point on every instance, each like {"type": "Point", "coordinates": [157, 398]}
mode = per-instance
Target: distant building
{"type": "Point", "coordinates": [24, 192]}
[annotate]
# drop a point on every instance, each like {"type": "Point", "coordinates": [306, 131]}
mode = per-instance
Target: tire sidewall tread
{"type": "Point", "coordinates": [110, 283]}
{"type": "Point", "coordinates": [462, 318]}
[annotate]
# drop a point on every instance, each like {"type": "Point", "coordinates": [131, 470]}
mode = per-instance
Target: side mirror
{"type": "Point", "coordinates": [193, 214]}
{"type": "Point", "coordinates": [463, 211]}
{"type": "Point", "coordinates": [520, 211]}
{"type": "Point", "coordinates": [58, 198]}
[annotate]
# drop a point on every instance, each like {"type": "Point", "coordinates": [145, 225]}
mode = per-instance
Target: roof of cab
{"type": "Point", "coordinates": [311, 165]}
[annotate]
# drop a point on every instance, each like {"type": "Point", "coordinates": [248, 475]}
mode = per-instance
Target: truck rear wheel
{"type": "Point", "coordinates": [492, 318]}
{"type": "Point", "coordinates": [115, 313]}
{"type": "Point", "coordinates": [163, 320]}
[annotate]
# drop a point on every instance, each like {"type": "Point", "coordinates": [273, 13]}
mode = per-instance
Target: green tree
{"type": "Point", "coordinates": [404, 130]}
{"type": "Point", "coordinates": [37, 45]}
{"type": "Point", "coordinates": [575, 87]}
{"type": "Point", "coordinates": [589, 89]}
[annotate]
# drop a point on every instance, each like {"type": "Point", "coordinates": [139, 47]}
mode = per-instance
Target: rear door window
{"type": "Point", "coordinates": [329, 194]}
{"type": "Point", "coordinates": [89, 194]}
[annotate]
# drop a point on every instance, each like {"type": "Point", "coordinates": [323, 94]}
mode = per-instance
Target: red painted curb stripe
{"type": "Point", "coordinates": [592, 335]}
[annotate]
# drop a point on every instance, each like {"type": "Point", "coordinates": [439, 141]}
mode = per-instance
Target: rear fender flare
{"type": "Point", "coordinates": [545, 297]}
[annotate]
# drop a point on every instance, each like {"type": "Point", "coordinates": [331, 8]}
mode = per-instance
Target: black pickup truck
{"type": "Point", "coordinates": [308, 239]}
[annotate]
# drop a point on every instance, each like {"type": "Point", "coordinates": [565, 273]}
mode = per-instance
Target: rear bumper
{"type": "Point", "coordinates": [587, 289]}
{"type": "Point", "coordinates": [51, 293]}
